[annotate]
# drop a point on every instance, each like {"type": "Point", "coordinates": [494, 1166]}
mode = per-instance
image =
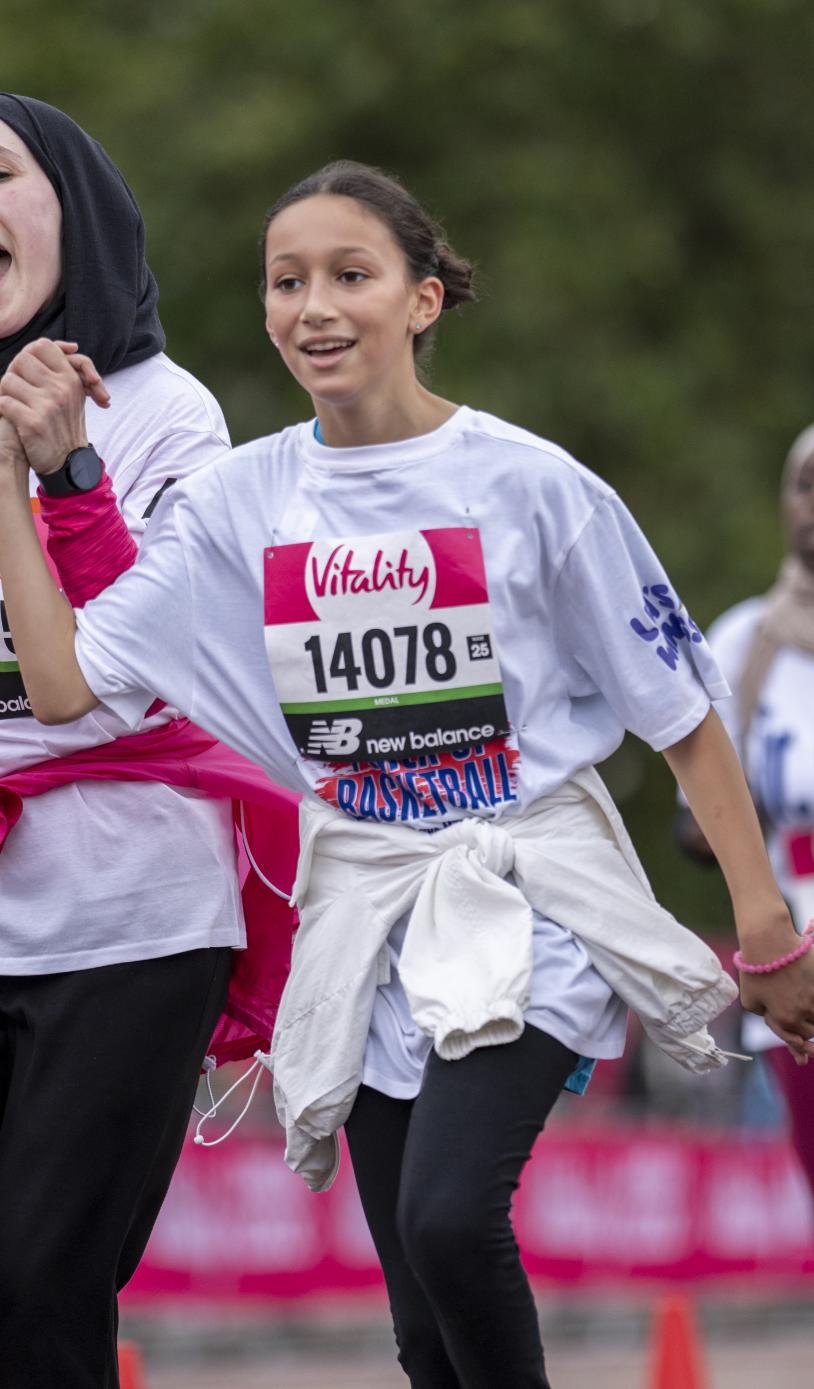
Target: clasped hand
{"type": "Point", "coordinates": [785, 999]}
{"type": "Point", "coordinates": [42, 404]}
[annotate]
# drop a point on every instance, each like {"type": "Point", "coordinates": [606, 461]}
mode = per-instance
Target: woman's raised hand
{"type": "Point", "coordinates": [88, 375]}
{"type": "Point", "coordinates": [43, 396]}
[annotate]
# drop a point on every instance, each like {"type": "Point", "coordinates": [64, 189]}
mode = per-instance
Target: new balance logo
{"type": "Point", "coordinates": [334, 739]}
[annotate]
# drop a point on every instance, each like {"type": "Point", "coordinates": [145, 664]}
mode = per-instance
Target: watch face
{"type": "Point", "coordinates": [85, 469]}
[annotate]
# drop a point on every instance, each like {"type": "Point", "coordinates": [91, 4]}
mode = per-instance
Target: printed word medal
{"type": "Point", "coordinates": [381, 646]}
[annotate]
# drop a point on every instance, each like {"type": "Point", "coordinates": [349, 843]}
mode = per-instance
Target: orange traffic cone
{"type": "Point", "coordinates": [677, 1360]}
{"type": "Point", "coordinates": [131, 1367]}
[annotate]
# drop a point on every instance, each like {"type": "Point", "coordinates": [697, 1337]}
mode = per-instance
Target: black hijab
{"type": "Point", "coordinates": [107, 299]}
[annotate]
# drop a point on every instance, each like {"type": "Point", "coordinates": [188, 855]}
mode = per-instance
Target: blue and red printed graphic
{"type": "Point", "coordinates": [474, 780]}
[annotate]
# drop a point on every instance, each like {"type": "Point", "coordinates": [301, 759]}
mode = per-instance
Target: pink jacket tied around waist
{"type": "Point", "coordinates": [88, 546]}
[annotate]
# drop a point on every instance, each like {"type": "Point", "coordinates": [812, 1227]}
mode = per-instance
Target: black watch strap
{"type": "Point", "coordinates": [81, 472]}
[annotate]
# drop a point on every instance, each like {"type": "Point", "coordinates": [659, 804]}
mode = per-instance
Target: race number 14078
{"type": "Point", "coordinates": [381, 659]}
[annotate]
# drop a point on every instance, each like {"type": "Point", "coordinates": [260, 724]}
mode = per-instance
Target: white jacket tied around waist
{"type": "Point", "coordinates": [466, 963]}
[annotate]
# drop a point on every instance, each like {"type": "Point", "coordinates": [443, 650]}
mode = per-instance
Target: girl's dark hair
{"type": "Point", "coordinates": [421, 238]}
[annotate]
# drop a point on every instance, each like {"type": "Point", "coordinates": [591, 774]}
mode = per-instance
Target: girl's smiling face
{"type": "Point", "coordinates": [340, 305]}
{"type": "Point", "coordinates": [30, 235]}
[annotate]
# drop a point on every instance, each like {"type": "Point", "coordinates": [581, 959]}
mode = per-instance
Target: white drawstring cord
{"type": "Point", "coordinates": [261, 1059]}
{"type": "Point", "coordinates": [733, 1055]}
{"type": "Point", "coordinates": [286, 896]}
{"type": "Point", "coordinates": [260, 1063]}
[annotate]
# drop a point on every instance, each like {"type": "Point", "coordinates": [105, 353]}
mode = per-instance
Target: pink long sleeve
{"type": "Point", "coordinates": [87, 540]}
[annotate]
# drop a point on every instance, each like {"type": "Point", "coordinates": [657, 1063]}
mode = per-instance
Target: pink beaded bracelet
{"type": "Point", "coordinates": [804, 946]}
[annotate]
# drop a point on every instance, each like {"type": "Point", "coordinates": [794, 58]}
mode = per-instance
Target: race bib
{"type": "Point", "coordinates": [382, 646]}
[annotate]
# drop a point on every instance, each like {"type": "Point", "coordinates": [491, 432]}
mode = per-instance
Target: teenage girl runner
{"type": "Point", "coordinates": [118, 902]}
{"type": "Point", "coordinates": [765, 645]}
{"type": "Point", "coordinates": [426, 619]}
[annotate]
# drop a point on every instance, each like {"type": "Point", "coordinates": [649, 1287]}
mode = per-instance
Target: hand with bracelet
{"type": "Point", "coordinates": [707, 768]}
{"type": "Point", "coordinates": [779, 985]}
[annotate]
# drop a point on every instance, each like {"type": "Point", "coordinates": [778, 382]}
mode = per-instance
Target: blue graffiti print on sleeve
{"type": "Point", "coordinates": [668, 623]}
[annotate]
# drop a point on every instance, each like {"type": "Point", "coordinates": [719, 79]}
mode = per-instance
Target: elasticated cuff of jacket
{"type": "Point", "coordinates": [688, 1018]}
{"type": "Point", "coordinates": [459, 1036]}
{"type": "Point", "coordinates": [697, 1053]}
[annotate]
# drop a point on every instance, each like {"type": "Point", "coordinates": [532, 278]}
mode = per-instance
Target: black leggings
{"type": "Point", "coordinates": [98, 1069]}
{"type": "Point", "coordinates": [436, 1176]}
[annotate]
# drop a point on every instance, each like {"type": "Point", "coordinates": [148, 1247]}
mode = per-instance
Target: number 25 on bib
{"type": "Point", "coordinates": [381, 646]}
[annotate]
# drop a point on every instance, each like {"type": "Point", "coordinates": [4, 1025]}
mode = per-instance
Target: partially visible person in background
{"type": "Point", "coordinates": [119, 902]}
{"type": "Point", "coordinates": [765, 647]}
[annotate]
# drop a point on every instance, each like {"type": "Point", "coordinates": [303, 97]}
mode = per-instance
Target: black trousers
{"type": "Point", "coordinates": [98, 1070]}
{"type": "Point", "coordinates": [436, 1177]}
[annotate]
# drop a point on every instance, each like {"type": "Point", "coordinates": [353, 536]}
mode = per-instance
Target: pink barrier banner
{"type": "Point", "coordinates": [608, 1206]}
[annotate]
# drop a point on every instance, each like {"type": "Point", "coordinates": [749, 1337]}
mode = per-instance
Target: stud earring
{"type": "Point", "coordinates": [419, 327]}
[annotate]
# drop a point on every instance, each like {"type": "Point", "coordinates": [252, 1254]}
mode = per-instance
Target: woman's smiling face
{"type": "Point", "coordinates": [30, 235]}
{"type": "Point", "coordinates": [340, 305]}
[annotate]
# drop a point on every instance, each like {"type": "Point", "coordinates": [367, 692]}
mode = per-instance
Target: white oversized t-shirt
{"type": "Point", "coordinates": [445, 626]}
{"type": "Point", "coordinates": [779, 763]}
{"type": "Point", "coordinates": [97, 873]}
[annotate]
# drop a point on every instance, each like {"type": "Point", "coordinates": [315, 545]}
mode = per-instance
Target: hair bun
{"type": "Point", "coordinates": [455, 274]}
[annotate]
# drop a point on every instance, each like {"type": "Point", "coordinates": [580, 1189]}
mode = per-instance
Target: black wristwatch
{"type": "Point", "coordinates": [81, 472]}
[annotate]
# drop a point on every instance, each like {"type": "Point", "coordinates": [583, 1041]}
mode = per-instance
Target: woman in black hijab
{"type": "Point", "coordinates": [107, 297]}
{"type": "Point", "coordinates": [118, 900]}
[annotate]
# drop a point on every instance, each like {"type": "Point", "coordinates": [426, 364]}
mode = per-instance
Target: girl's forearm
{"type": "Point", "coordinates": [706, 767]}
{"type": "Point", "coordinates": [41, 621]}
